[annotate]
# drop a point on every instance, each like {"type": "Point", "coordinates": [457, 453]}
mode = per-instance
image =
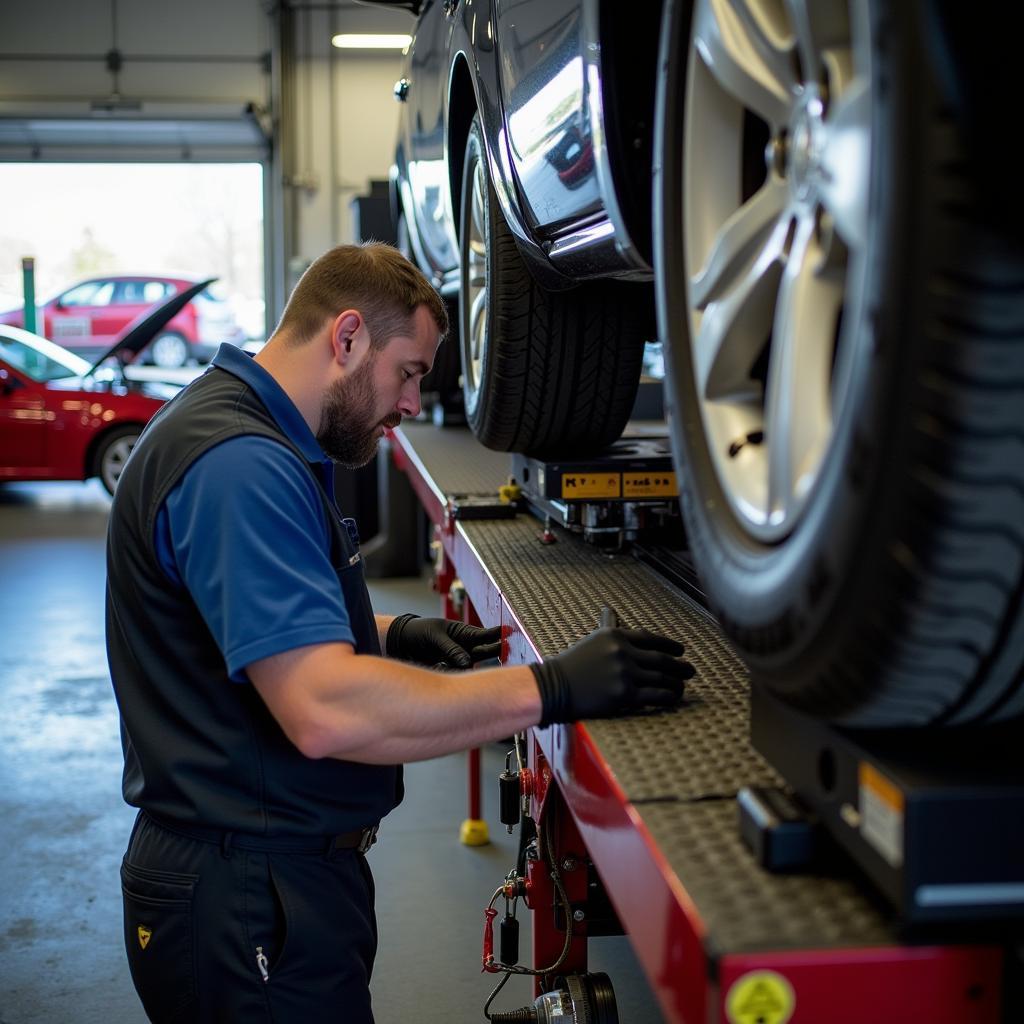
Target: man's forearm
{"type": "Point", "coordinates": [332, 702]}
{"type": "Point", "coordinates": [418, 714]}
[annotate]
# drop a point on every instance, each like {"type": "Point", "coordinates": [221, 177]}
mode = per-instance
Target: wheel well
{"type": "Point", "coordinates": [91, 467]}
{"type": "Point", "coordinates": [461, 110]}
{"type": "Point", "coordinates": [629, 35]}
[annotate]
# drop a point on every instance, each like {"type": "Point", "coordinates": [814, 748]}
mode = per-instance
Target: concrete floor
{"type": "Point", "coordinates": [65, 826]}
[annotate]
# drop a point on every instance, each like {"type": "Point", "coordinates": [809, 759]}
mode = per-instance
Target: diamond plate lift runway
{"type": "Point", "coordinates": [652, 796]}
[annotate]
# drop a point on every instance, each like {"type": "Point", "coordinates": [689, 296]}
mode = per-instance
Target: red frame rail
{"type": "Point", "coordinates": [887, 984]}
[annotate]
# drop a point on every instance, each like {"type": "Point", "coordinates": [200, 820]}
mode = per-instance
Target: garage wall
{"type": "Point", "coordinates": [347, 118]}
{"type": "Point", "coordinates": [330, 113]}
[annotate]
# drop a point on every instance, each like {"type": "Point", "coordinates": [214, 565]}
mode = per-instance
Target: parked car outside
{"type": "Point", "coordinates": [814, 197]}
{"type": "Point", "coordinates": [86, 317]}
{"type": "Point", "coordinates": [64, 418]}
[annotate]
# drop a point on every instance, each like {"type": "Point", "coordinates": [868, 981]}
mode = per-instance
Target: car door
{"type": "Point", "coordinates": [82, 316]}
{"type": "Point", "coordinates": [23, 424]}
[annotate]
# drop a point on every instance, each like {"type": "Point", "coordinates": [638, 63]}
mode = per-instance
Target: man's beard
{"type": "Point", "coordinates": [349, 433]}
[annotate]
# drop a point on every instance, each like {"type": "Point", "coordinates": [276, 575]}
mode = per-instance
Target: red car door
{"type": "Point", "coordinates": [23, 424]}
{"type": "Point", "coordinates": [84, 316]}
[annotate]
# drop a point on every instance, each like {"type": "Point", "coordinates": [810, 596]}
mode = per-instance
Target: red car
{"type": "Point", "coordinates": [87, 317]}
{"type": "Point", "coordinates": [62, 418]}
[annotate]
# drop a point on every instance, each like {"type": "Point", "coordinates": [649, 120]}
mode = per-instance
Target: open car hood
{"type": "Point", "coordinates": [147, 325]}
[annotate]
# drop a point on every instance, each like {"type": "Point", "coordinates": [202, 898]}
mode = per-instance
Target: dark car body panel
{"type": "Point", "coordinates": [533, 71]}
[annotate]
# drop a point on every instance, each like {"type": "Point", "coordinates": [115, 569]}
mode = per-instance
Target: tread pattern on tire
{"type": "Point", "coordinates": [562, 367]}
{"type": "Point", "coordinates": [953, 577]}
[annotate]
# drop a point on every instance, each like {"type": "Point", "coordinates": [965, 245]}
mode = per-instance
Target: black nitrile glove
{"type": "Point", "coordinates": [610, 672]}
{"type": "Point", "coordinates": [430, 641]}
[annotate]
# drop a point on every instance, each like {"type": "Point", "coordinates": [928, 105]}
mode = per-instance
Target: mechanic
{"type": "Point", "coordinates": [265, 710]}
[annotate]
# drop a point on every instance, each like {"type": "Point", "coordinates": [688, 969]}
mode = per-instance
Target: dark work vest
{"type": "Point", "coordinates": [199, 748]}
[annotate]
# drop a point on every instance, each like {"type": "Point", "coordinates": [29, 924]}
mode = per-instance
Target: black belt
{"type": "Point", "coordinates": [361, 839]}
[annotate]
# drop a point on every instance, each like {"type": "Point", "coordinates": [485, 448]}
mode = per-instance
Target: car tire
{"type": "Point", "coordinates": [169, 350]}
{"type": "Point", "coordinates": [548, 373]}
{"type": "Point", "coordinates": [112, 452]}
{"type": "Point", "coordinates": [860, 534]}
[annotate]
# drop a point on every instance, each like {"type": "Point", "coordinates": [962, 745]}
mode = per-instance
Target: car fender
{"type": "Point", "coordinates": [400, 194]}
{"type": "Point", "coordinates": [185, 324]}
{"type": "Point", "coordinates": [130, 416]}
{"type": "Point", "coordinates": [473, 86]}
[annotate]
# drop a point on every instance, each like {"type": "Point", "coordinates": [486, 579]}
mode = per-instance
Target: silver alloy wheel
{"type": "Point", "coordinates": [775, 276]}
{"type": "Point", "coordinates": [170, 350]}
{"type": "Point", "coordinates": [114, 456]}
{"type": "Point", "coordinates": [474, 340]}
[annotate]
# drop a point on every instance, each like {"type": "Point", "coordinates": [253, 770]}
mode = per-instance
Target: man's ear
{"type": "Point", "coordinates": [345, 333]}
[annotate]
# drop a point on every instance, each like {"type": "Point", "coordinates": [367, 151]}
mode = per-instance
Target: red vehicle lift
{"type": "Point", "coordinates": [649, 800]}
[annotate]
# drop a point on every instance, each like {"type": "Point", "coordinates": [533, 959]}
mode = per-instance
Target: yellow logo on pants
{"type": "Point", "coordinates": [144, 936]}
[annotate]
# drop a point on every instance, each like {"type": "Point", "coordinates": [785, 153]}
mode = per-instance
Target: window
{"type": "Point", "coordinates": [154, 291]}
{"type": "Point", "coordinates": [81, 295]}
{"type": "Point", "coordinates": [92, 293]}
{"type": "Point", "coordinates": [38, 365]}
{"type": "Point", "coordinates": [103, 295]}
{"type": "Point", "coordinates": [141, 293]}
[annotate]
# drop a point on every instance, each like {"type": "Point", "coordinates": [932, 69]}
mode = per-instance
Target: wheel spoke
{"type": "Point", "coordinates": [749, 227]}
{"type": "Point", "coordinates": [820, 25]}
{"type": "Point", "coordinates": [733, 329]}
{"type": "Point", "coordinates": [845, 163]}
{"type": "Point", "coordinates": [477, 320]}
{"type": "Point", "coordinates": [750, 52]}
{"type": "Point", "coordinates": [798, 413]}
{"type": "Point", "coordinates": [477, 264]}
{"type": "Point", "coordinates": [478, 200]}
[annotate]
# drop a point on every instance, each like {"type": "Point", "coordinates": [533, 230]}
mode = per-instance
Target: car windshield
{"type": "Point", "coordinates": [38, 358]}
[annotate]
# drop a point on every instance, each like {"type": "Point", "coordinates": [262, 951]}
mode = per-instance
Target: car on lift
{"type": "Point", "coordinates": [813, 196]}
{"type": "Point", "coordinates": [86, 317]}
{"type": "Point", "coordinates": [62, 418]}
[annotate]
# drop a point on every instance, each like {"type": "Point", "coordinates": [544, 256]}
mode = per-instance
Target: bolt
{"type": "Point", "coordinates": [569, 864]}
{"type": "Point", "coordinates": [578, 915]}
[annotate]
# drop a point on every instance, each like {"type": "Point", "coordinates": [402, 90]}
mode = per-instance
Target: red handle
{"type": "Point", "coordinates": [488, 958]}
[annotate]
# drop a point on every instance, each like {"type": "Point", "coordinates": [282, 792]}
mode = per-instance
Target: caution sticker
{"type": "Point", "coordinates": [649, 485]}
{"type": "Point", "coordinates": [760, 997]}
{"type": "Point", "coordinates": [881, 813]}
{"type": "Point", "coordinates": [591, 485]}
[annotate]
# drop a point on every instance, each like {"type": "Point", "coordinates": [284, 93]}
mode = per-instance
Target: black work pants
{"type": "Point", "coordinates": [215, 933]}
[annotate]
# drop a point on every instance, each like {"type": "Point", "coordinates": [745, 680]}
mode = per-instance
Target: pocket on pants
{"type": "Point", "coordinates": [159, 940]}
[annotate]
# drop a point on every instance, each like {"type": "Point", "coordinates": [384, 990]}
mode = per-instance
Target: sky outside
{"type": "Point", "coordinates": [78, 220]}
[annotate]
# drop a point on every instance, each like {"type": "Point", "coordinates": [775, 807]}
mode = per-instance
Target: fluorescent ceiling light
{"type": "Point", "coordinates": [370, 41]}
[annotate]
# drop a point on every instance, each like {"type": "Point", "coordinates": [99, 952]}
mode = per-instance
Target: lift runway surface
{"type": "Point", "coordinates": [681, 769]}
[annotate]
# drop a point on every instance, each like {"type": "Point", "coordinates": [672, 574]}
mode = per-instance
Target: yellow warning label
{"type": "Point", "coordinates": [881, 813]}
{"type": "Point", "coordinates": [144, 936]}
{"type": "Point", "coordinates": [591, 485]}
{"type": "Point", "coordinates": [881, 788]}
{"type": "Point", "coordinates": [649, 485]}
{"type": "Point", "coordinates": [760, 997]}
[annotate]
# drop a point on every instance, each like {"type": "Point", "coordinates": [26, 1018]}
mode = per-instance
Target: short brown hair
{"type": "Point", "coordinates": [375, 279]}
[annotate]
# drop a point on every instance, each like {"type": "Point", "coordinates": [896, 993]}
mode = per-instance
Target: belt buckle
{"type": "Point", "coordinates": [369, 838]}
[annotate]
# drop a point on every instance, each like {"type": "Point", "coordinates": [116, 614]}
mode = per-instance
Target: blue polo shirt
{"type": "Point", "coordinates": [244, 530]}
